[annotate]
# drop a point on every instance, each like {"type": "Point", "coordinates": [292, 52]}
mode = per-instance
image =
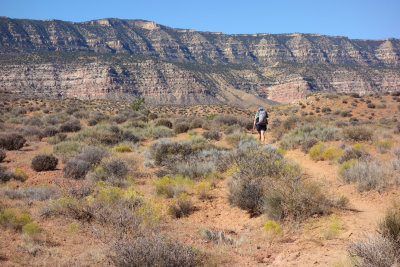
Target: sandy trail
{"type": "Point", "coordinates": [312, 248]}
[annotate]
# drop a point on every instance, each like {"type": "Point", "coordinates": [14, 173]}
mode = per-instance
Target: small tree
{"type": "Point", "coordinates": [138, 103]}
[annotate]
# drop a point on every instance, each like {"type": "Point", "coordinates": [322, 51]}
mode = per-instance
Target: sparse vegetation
{"type": "Point", "coordinates": [111, 204]}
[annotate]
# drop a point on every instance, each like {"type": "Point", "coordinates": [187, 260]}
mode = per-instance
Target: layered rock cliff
{"type": "Point", "coordinates": [121, 59]}
{"type": "Point", "coordinates": [124, 77]}
{"type": "Point", "coordinates": [147, 38]}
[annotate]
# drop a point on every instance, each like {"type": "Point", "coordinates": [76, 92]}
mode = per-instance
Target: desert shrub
{"type": "Point", "coordinates": [114, 171]}
{"type": "Point", "coordinates": [332, 153]}
{"type": "Point", "coordinates": [272, 227]}
{"type": "Point", "coordinates": [162, 132]}
{"type": "Point", "coordinates": [353, 153]}
{"type": "Point", "coordinates": [122, 148]}
{"type": "Point", "coordinates": [2, 155]}
{"type": "Point", "coordinates": [164, 122]}
{"type": "Point", "coordinates": [341, 124]}
{"type": "Point", "coordinates": [358, 133]}
{"type": "Point", "coordinates": [308, 143]}
{"type": "Point", "coordinates": [20, 175]}
{"type": "Point", "coordinates": [375, 251]}
{"type": "Point", "coordinates": [5, 175]}
{"type": "Point", "coordinates": [272, 185]}
{"type": "Point", "coordinates": [81, 114]}
{"type": "Point", "coordinates": [50, 131]}
{"type": "Point", "coordinates": [76, 168]}
{"type": "Point", "coordinates": [120, 118]}
{"type": "Point", "coordinates": [203, 189]}
{"type": "Point", "coordinates": [70, 126]}
{"type": "Point", "coordinates": [383, 146]}
{"type": "Point", "coordinates": [66, 149]}
{"type": "Point", "coordinates": [32, 230]}
{"type": "Point", "coordinates": [295, 199]}
{"type": "Point", "coordinates": [69, 207]}
{"type": "Point", "coordinates": [389, 227]}
{"type": "Point", "coordinates": [234, 129]}
{"type": "Point", "coordinates": [196, 123]}
{"type": "Point", "coordinates": [58, 138]}
{"type": "Point", "coordinates": [11, 141]}
{"type": "Point", "coordinates": [172, 185]}
{"type": "Point", "coordinates": [212, 135]}
{"type": "Point", "coordinates": [290, 123]}
{"type": "Point", "coordinates": [116, 167]}
{"type": "Point", "coordinates": [30, 131]}
{"type": "Point", "coordinates": [181, 207]}
{"type": "Point", "coordinates": [44, 162]}
{"type": "Point", "coordinates": [91, 154]}
{"type": "Point", "coordinates": [298, 135]}
{"type": "Point", "coordinates": [381, 106]}
{"type": "Point", "coordinates": [161, 151]}
{"type": "Point", "coordinates": [33, 121]}
{"type": "Point", "coordinates": [367, 175]}
{"type": "Point", "coordinates": [182, 127]}
{"type": "Point", "coordinates": [154, 250]}
{"type": "Point", "coordinates": [316, 151]}
{"type": "Point", "coordinates": [346, 113]}
{"type": "Point", "coordinates": [14, 218]}
{"type": "Point", "coordinates": [194, 169]}
{"type": "Point", "coordinates": [371, 105]}
{"type": "Point", "coordinates": [39, 193]}
{"type": "Point", "coordinates": [326, 110]}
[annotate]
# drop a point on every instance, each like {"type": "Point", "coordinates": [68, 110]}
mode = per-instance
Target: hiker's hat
{"type": "Point", "coordinates": [260, 109]}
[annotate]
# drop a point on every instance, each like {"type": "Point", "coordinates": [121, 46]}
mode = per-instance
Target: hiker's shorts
{"type": "Point", "coordinates": [261, 128]}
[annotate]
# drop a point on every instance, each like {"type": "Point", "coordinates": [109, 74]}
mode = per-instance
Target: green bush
{"type": "Point", "coordinates": [66, 149]}
{"type": "Point", "coordinates": [271, 227]}
{"type": "Point", "coordinates": [122, 148]}
{"type": "Point", "coordinates": [31, 229]}
{"type": "Point", "coordinates": [14, 218]}
{"type": "Point", "coordinates": [332, 153]}
{"type": "Point", "coordinates": [316, 151]}
{"type": "Point", "coordinates": [172, 185]}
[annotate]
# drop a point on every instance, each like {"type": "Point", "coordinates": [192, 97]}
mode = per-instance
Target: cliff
{"type": "Point", "coordinates": [120, 59]}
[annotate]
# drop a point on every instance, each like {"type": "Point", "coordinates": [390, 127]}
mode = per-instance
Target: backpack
{"type": "Point", "coordinates": [262, 117]}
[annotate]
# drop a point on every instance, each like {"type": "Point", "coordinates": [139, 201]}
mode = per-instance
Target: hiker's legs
{"type": "Point", "coordinates": [262, 137]}
{"type": "Point", "coordinates": [259, 135]}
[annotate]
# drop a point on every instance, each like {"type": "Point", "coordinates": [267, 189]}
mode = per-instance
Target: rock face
{"type": "Point", "coordinates": [120, 59]}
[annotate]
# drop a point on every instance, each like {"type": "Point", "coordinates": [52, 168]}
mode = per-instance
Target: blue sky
{"type": "Point", "coordinates": [365, 19]}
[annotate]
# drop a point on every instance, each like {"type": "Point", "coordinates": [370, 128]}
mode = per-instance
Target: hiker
{"type": "Point", "coordinates": [260, 122]}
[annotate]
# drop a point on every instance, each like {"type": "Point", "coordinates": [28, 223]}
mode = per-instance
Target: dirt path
{"type": "Point", "coordinates": [312, 248]}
